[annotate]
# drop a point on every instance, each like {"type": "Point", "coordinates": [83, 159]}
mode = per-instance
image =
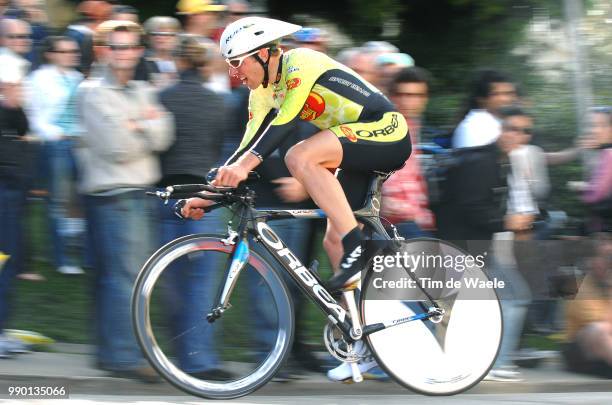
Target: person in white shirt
{"type": "Point", "coordinates": [51, 108]}
{"type": "Point", "coordinates": [15, 38]}
{"type": "Point", "coordinates": [480, 126]}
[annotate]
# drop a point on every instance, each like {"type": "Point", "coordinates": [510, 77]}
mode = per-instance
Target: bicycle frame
{"type": "Point", "coordinates": [308, 282]}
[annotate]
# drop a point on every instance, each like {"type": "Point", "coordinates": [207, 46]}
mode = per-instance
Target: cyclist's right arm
{"type": "Point", "coordinates": [261, 114]}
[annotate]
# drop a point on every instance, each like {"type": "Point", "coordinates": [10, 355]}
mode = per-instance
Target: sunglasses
{"type": "Point", "coordinates": [164, 34]}
{"type": "Point", "coordinates": [526, 130]}
{"type": "Point", "coordinates": [237, 62]}
{"type": "Point", "coordinates": [123, 47]}
{"type": "Point", "coordinates": [18, 36]}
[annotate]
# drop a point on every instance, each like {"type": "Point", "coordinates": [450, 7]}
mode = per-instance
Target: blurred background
{"type": "Point", "coordinates": [556, 53]}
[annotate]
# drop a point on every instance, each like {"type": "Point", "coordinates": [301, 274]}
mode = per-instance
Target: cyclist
{"type": "Point", "coordinates": [360, 130]}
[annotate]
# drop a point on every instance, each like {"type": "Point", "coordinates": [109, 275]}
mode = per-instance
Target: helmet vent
{"type": "Point", "coordinates": [259, 32]}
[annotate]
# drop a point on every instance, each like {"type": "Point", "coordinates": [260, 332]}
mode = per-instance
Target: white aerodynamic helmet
{"type": "Point", "coordinates": [251, 33]}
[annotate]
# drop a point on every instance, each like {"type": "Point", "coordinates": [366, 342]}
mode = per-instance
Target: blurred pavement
{"type": "Point", "coordinates": [73, 366]}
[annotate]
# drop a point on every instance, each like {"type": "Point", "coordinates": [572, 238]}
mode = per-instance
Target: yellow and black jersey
{"type": "Point", "coordinates": [313, 87]}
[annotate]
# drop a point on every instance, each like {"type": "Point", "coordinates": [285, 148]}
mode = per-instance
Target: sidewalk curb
{"type": "Point", "coordinates": [119, 386]}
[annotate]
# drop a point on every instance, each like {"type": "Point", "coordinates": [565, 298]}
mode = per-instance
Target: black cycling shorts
{"type": "Point", "coordinates": [382, 145]}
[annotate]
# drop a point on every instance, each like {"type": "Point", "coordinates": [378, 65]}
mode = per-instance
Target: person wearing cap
{"type": "Point", "coordinates": [311, 37]}
{"type": "Point", "coordinates": [388, 65]}
{"type": "Point", "coordinates": [360, 132]}
{"type": "Point", "coordinates": [201, 17]}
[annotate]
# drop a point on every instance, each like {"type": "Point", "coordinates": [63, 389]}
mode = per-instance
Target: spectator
{"type": "Point", "coordinates": [478, 189]}
{"type": "Point", "coordinates": [347, 55]}
{"type": "Point", "coordinates": [405, 200]}
{"type": "Point", "coordinates": [92, 13]}
{"type": "Point", "coordinates": [16, 44]}
{"type": "Point", "coordinates": [157, 65]}
{"type": "Point", "coordinates": [198, 114]}
{"type": "Point", "coordinates": [33, 12]}
{"type": "Point", "coordinates": [125, 128]}
{"type": "Point", "coordinates": [101, 50]}
{"type": "Point", "coordinates": [362, 63]}
{"type": "Point", "coordinates": [202, 17]}
{"type": "Point", "coordinates": [379, 47]}
{"type": "Point", "coordinates": [51, 108]}
{"type": "Point", "coordinates": [479, 193]}
{"type": "Point", "coordinates": [597, 192]}
{"type": "Point", "coordinates": [388, 66]}
{"type": "Point", "coordinates": [15, 160]}
{"type": "Point", "coordinates": [237, 9]}
{"type": "Point", "coordinates": [589, 317]}
{"type": "Point", "coordinates": [125, 13]}
{"type": "Point", "coordinates": [491, 90]}
{"type": "Point", "coordinates": [311, 37]}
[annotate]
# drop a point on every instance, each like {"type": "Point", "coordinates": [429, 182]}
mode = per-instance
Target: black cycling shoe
{"type": "Point", "coordinates": [350, 271]}
{"type": "Point", "coordinates": [352, 261]}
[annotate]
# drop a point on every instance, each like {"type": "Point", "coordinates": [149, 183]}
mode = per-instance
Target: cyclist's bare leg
{"type": "Point", "coordinates": [308, 162]}
{"type": "Point", "coordinates": [332, 243]}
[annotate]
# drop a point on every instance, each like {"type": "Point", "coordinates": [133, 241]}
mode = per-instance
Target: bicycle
{"type": "Point", "coordinates": [417, 343]}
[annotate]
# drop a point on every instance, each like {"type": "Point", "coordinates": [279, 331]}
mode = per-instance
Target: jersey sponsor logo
{"type": "Point", "coordinates": [388, 130]}
{"type": "Point", "coordinates": [351, 85]}
{"type": "Point", "coordinates": [292, 69]}
{"type": "Point", "coordinates": [348, 132]}
{"type": "Point", "coordinates": [293, 83]}
{"type": "Point", "coordinates": [313, 108]}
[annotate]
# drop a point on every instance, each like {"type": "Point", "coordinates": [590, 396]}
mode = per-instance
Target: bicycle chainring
{"type": "Point", "coordinates": [338, 347]}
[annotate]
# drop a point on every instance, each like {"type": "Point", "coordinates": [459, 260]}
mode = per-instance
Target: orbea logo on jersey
{"type": "Point", "coordinates": [348, 132]}
{"type": "Point", "coordinates": [313, 108]}
{"type": "Point", "coordinates": [293, 83]}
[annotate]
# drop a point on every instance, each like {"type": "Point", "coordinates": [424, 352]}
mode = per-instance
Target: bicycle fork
{"type": "Point", "coordinates": [239, 259]}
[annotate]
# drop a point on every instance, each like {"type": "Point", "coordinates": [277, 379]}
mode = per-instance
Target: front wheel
{"type": "Point", "coordinates": [231, 357]}
{"type": "Point", "coordinates": [443, 356]}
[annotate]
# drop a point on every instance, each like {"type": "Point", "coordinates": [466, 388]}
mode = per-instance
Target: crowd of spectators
{"type": "Point", "coordinates": [93, 116]}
